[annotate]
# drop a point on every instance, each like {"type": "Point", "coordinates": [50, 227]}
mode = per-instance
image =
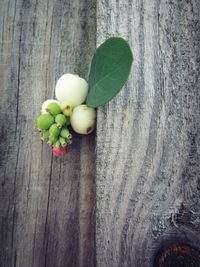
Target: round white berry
{"type": "Point", "coordinates": [71, 88]}
{"type": "Point", "coordinates": [83, 119]}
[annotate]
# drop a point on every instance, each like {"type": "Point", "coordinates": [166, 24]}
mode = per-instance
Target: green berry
{"type": "Point", "coordinates": [57, 144]}
{"type": "Point", "coordinates": [54, 130]}
{"type": "Point", "coordinates": [54, 109]}
{"type": "Point", "coordinates": [45, 105]}
{"type": "Point", "coordinates": [44, 121]}
{"type": "Point", "coordinates": [65, 133]}
{"type": "Point", "coordinates": [66, 108]}
{"type": "Point", "coordinates": [63, 141]}
{"type": "Point", "coordinates": [61, 120]}
{"type": "Point", "coordinates": [52, 140]}
{"type": "Point", "coordinates": [45, 135]}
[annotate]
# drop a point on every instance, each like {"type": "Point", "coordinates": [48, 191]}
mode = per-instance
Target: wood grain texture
{"type": "Point", "coordinates": [148, 137]}
{"type": "Point", "coordinates": [46, 204]}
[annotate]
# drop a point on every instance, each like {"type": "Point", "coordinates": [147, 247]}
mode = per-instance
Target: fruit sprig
{"type": "Point", "coordinates": [109, 71]}
{"type": "Point", "coordinates": [57, 115]}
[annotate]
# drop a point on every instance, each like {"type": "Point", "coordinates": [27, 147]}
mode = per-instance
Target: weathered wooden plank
{"type": "Point", "coordinates": [148, 137]}
{"type": "Point", "coordinates": [47, 204]}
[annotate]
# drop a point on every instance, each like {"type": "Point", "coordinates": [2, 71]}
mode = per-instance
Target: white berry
{"type": "Point", "coordinates": [83, 119]}
{"type": "Point", "coordinates": [46, 103]}
{"type": "Point", "coordinates": [71, 88]}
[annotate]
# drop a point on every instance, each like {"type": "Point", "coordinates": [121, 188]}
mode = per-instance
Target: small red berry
{"type": "Point", "coordinates": [59, 151]}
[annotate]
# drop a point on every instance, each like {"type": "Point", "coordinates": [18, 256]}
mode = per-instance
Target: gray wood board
{"type": "Point", "coordinates": [148, 137]}
{"type": "Point", "coordinates": [147, 155]}
{"type": "Point", "coordinates": [46, 204]}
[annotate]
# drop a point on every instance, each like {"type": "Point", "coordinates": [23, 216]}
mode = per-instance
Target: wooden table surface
{"type": "Point", "coordinates": [132, 186]}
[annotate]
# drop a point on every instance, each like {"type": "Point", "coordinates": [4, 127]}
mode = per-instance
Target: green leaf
{"type": "Point", "coordinates": [109, 71]}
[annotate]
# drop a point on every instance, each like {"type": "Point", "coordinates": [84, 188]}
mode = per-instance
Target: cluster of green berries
{"type": "Point", "coordinates": [69, 109]}
{"type": "Point", "coordinates": [53, 125]}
